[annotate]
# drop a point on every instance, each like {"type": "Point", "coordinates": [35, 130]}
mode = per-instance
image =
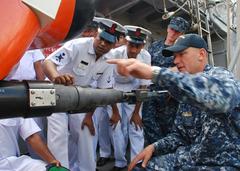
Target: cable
{"type": "Point", "coordinates": [167, 14]}
{"type": "Point", "coordinates": [218, 34]}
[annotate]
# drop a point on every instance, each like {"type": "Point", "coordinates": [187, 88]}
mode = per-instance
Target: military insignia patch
{"type": "Point", "coordinates": [138, 32]}
{"type": "Point", "coordinates": [112, 30]}
{"type": "Point", "coordinates": [59, 57]}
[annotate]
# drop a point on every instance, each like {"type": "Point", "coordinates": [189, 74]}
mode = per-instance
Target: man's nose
{"type": "Point", "coordinates": [176, 59]}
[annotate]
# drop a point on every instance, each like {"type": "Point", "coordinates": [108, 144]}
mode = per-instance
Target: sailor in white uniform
{"type": "Point", "coordinates": [30, 68]}
{"type": "Point", "coordinates": [10, 158]}
{"type": "Point", "coordinates": [80, 62]}
{"type": "Point", "coordinates": [130, 113]}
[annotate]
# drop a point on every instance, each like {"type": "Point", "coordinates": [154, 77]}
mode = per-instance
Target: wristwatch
{"type": "Point", "coordinates": [155, 73]}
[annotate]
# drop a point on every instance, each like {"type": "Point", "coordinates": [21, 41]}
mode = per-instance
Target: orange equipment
{"type": "Point", "coordinates": [22, 27]}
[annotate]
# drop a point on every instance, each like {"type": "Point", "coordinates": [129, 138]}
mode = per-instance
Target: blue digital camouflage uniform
{"type": "Point", "coordinates": [158, 113]}
{"type": "Point", "coordinates": [206, 130]}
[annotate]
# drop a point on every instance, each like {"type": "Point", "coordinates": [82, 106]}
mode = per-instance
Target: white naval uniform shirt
{"type": "Point", "coordinates": [10, 129]}
{"type": "Point", "coordinates": [77, 57]}
{"type": "Point", "coordinates": [25, 68]}
{"type": "Point", "coordinates": [129, 83]}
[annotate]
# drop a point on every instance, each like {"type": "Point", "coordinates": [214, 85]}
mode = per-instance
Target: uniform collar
{"type": "Point", "coordinates": [91, 48]}
{"type": "Point", "coordinates": [107, 55]}
{"type": "Point", "coordinates": [207, 68]}
{"type": "Point", "coordinates": [125, 51]}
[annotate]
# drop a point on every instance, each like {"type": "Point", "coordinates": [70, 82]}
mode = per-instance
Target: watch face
{"type": "Point", "coordinates": [55, 168]}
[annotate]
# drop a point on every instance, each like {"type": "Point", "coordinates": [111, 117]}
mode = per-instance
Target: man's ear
{"type": "Point", "coordinates": [202, 54]}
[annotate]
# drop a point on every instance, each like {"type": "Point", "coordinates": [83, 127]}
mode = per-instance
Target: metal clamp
{"type": "Point", "coordinates": [41, 95]}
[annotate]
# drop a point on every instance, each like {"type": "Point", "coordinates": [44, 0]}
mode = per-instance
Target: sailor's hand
{"type": "Point", "coordinates": [87, 121]}
{"type": "Point", "coordinates": [143, 156]}
{"type": "Point", "coordinates": [115, 119]}
{"type": "Point", "coordinates": [174, 69]}
{"type": "Point", "coordinates": [136, 120]}
{"type": "Point", "coordinates": [56, 163]}
{"type": "Point", "coordinates": [65, 79]}
{"type": "Point", "coordinates": [133, 67]}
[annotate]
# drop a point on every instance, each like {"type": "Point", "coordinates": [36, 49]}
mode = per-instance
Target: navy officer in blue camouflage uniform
{"type": "Point", "coordinates": [206, 130]}
{"type": "Point", "coordinates": [158, 113]}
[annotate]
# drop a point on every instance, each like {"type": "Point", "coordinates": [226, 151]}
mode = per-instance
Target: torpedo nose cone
{"type": "Point", "coordinates": [21, 27]}
{"type": "Point", "coordinates": [84, 13]}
